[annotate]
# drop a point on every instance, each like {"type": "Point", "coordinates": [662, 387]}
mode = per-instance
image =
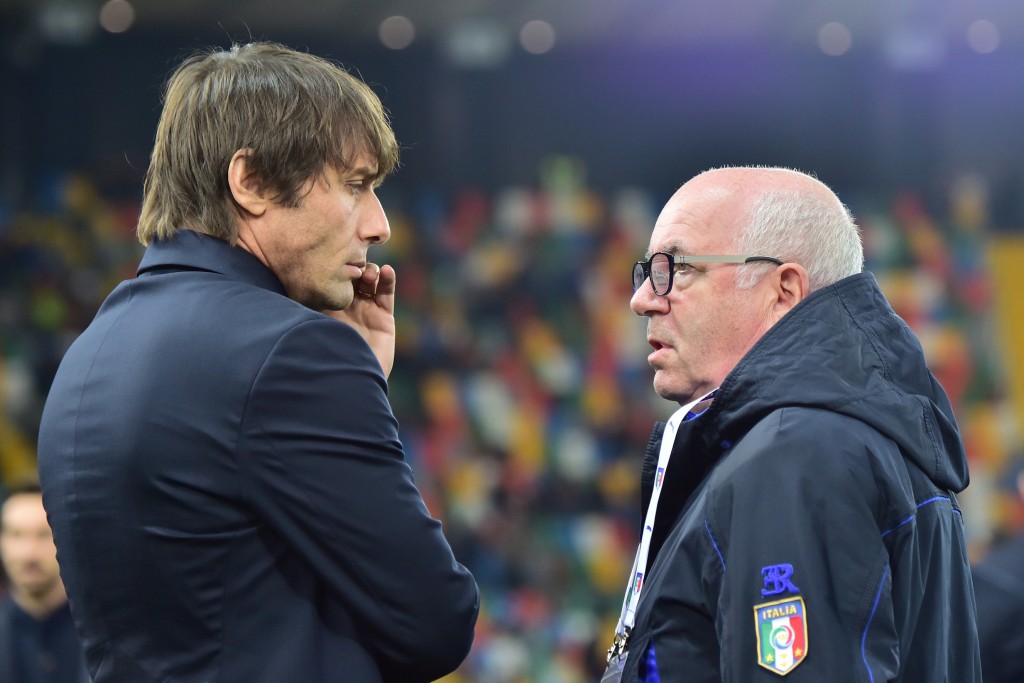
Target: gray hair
{"type": "Point", "coordinates": [812, 229]}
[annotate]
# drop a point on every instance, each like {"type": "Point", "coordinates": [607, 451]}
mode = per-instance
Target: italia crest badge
{"type": "Point", "coordinates": [781, 634]}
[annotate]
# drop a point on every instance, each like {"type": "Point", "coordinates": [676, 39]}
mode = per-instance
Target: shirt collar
{"type": "Point", "coordinates": [700, 406]}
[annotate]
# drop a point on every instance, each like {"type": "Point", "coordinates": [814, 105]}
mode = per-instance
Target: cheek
{"type": "Point", "coordinates": [733, 310]}
{"type": "Point", "coordinates": [693, 324]}
{"type": "Point", "coordinates": [321, 259]}
{"type": "Point", "coordinates": [333, 240]}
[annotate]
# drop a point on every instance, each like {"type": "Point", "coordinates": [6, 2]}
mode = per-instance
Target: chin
{"type": "Point", "coordinates": [337, 300]}
{"type": "Point", "coordinates": [666, 389]}
{"type": "Point", "coordinates": [345, 300]}
{"type": "Point", "coordinates": [663, 387]}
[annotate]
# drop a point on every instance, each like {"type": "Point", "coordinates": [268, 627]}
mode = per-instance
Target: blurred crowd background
{"type": "Point", "coordinates": [539, 144]}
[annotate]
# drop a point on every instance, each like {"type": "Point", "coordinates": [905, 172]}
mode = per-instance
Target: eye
{"type": "Point", "coordinates": [360, 184]}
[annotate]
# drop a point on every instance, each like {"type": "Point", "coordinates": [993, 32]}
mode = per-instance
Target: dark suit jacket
{"type": "Point", "coordinates": [999, 593]}
{"type": "Point", "coordinates": [228, 493]}
{"type": "Point", "coordinates": [34, 651]}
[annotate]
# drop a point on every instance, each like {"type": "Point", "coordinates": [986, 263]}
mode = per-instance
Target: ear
{"type": "Point", "coordinates": [791, 286]}
{"type": "Point", "coordinates": [245, 186]}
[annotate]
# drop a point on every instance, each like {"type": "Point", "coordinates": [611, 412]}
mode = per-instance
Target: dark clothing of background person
{"type": "Point", "coordinates": [221, 464]}
{"type": "Point", "coordinates": [830, 451]}
{"type": "Point", "coordinates": [999, 588]}
{"type": "Point", "coordinates": [34, 651]}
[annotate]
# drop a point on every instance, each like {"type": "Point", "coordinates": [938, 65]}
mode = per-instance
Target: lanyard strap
{"type": "Point", "coordinates": [636, 576]}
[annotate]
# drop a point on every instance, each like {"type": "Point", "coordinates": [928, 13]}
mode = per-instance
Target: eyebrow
{"type": "Point", "coordinates": [364, 171]}
{"type": "Point", "coordinates": [672, 248]}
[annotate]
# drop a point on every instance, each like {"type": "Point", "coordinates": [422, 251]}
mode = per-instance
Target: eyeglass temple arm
{"type": "Point", "coordinates": [771, 259]}
{"type": "Point", "coordinates": [724, 259]}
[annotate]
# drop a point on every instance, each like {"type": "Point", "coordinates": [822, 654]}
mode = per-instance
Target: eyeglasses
{"type": "Point", "coordinates": [661, 267]}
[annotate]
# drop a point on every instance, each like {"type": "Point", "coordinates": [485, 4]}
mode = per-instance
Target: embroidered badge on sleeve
{"type": "Point", "coordinates": [781, 634]}
{"type": "Point", "coordinates": [781, 625]}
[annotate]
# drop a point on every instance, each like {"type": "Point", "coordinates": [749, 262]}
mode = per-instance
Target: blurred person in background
{"type": "Point", "coordinates": [219, 460]}
{"type": "Point", "coordinates": [800, 509]}
{"type": "Point", "coordinates": [38, 641]}
{"type": "Point", "coordinates": [999, 587]}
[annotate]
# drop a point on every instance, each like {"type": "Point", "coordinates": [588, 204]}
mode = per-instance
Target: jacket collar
{"type": "Point", "coordinates": [189, 250]}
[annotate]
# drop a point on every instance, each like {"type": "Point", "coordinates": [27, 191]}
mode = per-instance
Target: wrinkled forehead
{"type": "Point", "coordinates": [698, 219]}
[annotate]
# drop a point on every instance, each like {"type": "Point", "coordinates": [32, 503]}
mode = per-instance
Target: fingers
{"type": "Point", "coordinates": [366, 285]}
{"type": "Point", "coordinates": [386, 280]}
{"type": "Point", "coordinates": [376, 282]}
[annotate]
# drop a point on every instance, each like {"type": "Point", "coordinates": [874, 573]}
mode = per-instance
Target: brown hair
{"type": "Point", "coordinates": [22, 486]}
{"type": "Point", "coordinates": [296, 112]}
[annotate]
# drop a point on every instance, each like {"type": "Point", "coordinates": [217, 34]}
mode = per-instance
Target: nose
{"type": "Point", "coordinates": [375, 226]}
{"type": "Point", "coordinates": [29, 548]}
{"type": "Point", "coordinates": [645, 302]}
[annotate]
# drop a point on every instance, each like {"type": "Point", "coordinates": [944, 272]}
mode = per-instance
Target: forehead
{"type": "Point", "coordinates": [698, 219]}
{"type": "Point", "coordinates": [364, 165]}
{"type": "Point", "coordinates": [23, 510]}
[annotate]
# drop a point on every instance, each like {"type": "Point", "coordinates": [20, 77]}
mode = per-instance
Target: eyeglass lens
{"type": "Point", "coordinates": [658, 268]}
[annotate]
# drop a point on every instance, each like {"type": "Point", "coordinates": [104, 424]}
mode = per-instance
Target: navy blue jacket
{"type": "Point", "coordinates": [999, 588]}
{"type": "Point", "coordinates": [33, 651]}
{"type": "Point", "coordinates": [229, 497]}
{"type": "Point", "coordinates": [808, 525]}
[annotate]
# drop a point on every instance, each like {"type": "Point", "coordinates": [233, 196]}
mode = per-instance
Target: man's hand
{"type": "Point", "coordinates": [372, 312]}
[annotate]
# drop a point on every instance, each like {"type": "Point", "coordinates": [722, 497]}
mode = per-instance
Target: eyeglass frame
{"type": "Point", "coordinates": [675, 261]}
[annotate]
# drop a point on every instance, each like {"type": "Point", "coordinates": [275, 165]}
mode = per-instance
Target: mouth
{"type": "Point", "coordinates": [654, 358]}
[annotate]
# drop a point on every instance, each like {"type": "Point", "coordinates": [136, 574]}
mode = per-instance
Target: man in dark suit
{"type": "Point", "coordinates": [999, 592]}
{"type": "Point", "coordinates": [220, 463]}
{"type": "Point", "coordinates": [38, 642]}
